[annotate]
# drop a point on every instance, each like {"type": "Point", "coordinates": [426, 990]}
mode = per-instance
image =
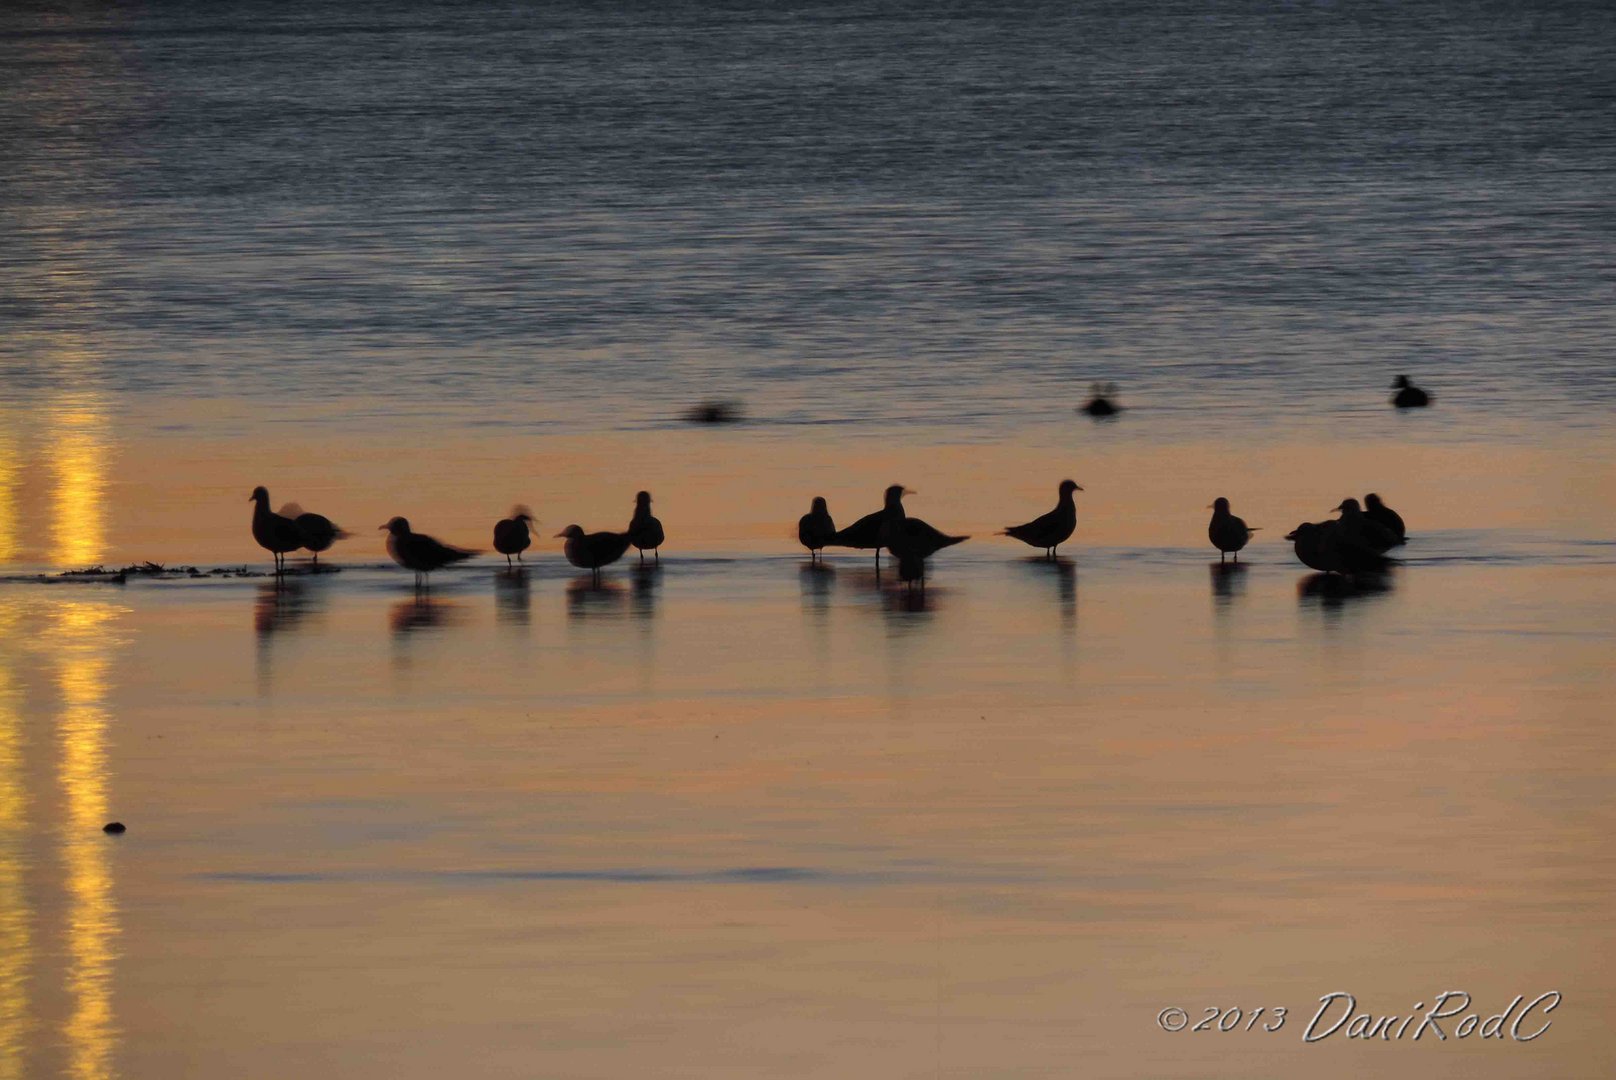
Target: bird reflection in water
{"type": "Point", "coordinates": [421, 612]}
{"type": "Point", "coordinates": [588, 599]}
{"type": "Point", "coordinates": [281, 605]}
{"type": "Point", "coordinates": [910, 598]}
{"type": "Point", "coordinates": [644, 581]}
{"type": "Point", "coordinates": [1331, 591]}
{"type": "Point", "coordinates": [815, 580]}
{"type": "Point", "coordinates": [513, 597]}
{"type": "Point", "coordinates": [1228, 582]}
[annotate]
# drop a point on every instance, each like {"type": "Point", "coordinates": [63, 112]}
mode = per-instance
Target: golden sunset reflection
{"type": "Point", "coordinates": [16, 931]}
{"type": "Point", "coordinates": [79, 449]}
{"type": "Point", "coordinates": [8, 494]}
{"type": "Point", "coordinates": [82, 630]}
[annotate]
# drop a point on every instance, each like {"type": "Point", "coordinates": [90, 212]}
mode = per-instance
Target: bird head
{"type": "Point", "coordinates": [1400, 383]}
{"type": "Point", "coordinates": [1348, 506]}
{"type": "Point", "coordinates": [1069, 486]}
{"type": "Point", "coordinates": [397, 526]}
{"type": "Point", "coordinates": [820, 506]}
{"type": "Point", "coordinates": [259, 494]}
{"type": "Point", "coordinates": [571, 532]}
{"type": "Point", "coordinates": [1220, 505]}
{"type": "Point", "coordinates": [1372, 501]}
{"type": "Point", "coordinates": [642, 499]}
{"type": "Point", "coordinates": [521, 513]}
{"type": "Point", "coordinates": [895, 494]}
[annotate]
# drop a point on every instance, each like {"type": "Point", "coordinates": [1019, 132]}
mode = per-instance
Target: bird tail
{"type": "Point", "coordinates": [950, 541]}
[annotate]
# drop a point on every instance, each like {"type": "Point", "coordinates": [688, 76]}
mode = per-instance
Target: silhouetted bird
{"type": "Point", "coordinates": [418, 551]}
{"type": "Point", "coordinates": [1323, 546]}
{"type": "Point", "coordinates": [591, 551]}
{"type": "Point", "coordinates": [274, 533]}
{"type": "Point", "coordinates": [1360, 529]}
{"type": "Point", "coordinates": [317, 530]}
{"type": "Point", "coordinates": [912, 542]}
{"type": "Point", "coordinates": [714, 412]}
{"type": "Point", "coordinates": [1227, 532]}
{"type": "Point", "coordinates": [511, 536]}
{"type": "Point", "coordinates": [816, 528]}
{"type": "Point", "coordinates": [645, 531]}
{"type": "Point", "coordinates": [1100, 403]}
{"type": "Point", "coordinates": [1408, 395]}
{"type": "Point", "coordinates": [1390, 519]}
{"type": "Point", "coordinates": [1049, 531]}
{"type": "Point", "coordinates": [867, 531]}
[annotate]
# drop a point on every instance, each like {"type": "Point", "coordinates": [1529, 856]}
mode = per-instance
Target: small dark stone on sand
{"type": "Point", "coordinates": [113, 827]}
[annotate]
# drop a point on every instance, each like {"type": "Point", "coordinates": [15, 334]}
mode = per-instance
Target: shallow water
{"type": "Point", "coordinates": [736, 814]}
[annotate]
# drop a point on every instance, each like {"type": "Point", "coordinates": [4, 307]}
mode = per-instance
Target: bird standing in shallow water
{"type": "Point", "coordinates": [275, 534]}
{"type": "Point", "coordinates": [816, 528]}
{"type": "Point", "coordinates": [1227, 532]}
{"type": "Point", "coordinates": [1360, 529]}
{"type": "Point", "coordinates": [1389, 519]}
{"type": "Point", "coordinates": [1325, 547]}
{"type": "Point", "coordinates": [645, 531]}
{"type": "Point", "coordinates": [591, 551]}
{"type": "Point", "coordinates": [867, 531]}
{"type": "Point", "coordinates": [912, 542]}
{"type": "Point", "coordinates": [419, 552]}
{"type": "Point", "coordinates": [511, 536]}
{"type": "Point", "coordinates": [1408, 395]}
{"type": "Point", "coordinates": [318, 531]}
{"type": "Point", "coordinates": [1049, 531]}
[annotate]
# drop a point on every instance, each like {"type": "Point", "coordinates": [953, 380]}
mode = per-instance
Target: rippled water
{"type": "Point", "coordinates": [947, 214]}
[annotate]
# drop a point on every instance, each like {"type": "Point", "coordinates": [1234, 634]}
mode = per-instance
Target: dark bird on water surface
{"type": "Point", "coordinates": [318, 531]}
{"type": "Point", "coordinates": [1049, 531]}
{"type": "Point", "coordinates": [1363, 531]}
{"type": "Point", "coordinates": [1408, 395]}
{"type": "Point", "coordinates": [1324, 547]}
{"type": "Point", "coordinates": [912, 542]}
{"type": "Point", "coordinates": [1100, 403]}
{"type": "Point", "coordinates": [1228, 533]}
{"type": "Point", "coordinates": [511, 536]}
{"type": "Point", "coordinates": [868, 531]}
{"type": "Point", "coordinates": [645, 531]}
{"type": "Point", "coordinates": [275, 533]}
{"type": "Point", "coordinates": [419, 552]}
{"type": "Point", "coordinates": [1388, 518]}
{"type": "Point", "coordinates": [816, 528]}
{"type": "Point", "coordinates": [591, 551]}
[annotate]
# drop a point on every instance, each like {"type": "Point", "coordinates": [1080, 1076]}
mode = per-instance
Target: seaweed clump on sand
{"type": "Point", "coordinates": [148, 569]}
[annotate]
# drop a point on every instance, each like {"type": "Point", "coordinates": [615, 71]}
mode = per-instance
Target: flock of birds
{"type": "Point", "coordinates": [1355, 544]}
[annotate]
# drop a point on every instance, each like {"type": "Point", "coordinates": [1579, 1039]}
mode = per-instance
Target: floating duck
{"type": "Point", "coordinates": [866, 532]}
{"type": "Point", "coordinates": [1228, 533]}
{"type": "Point", "coordinates": [714, 412]}
{"type": "Point", "coordinates": [591, 551]}
{"type": "Point", "coordinates": [1388, 518]}
{"type": "Point", "coordinates": [1100, 403]}
{"type": "Point", "coordinates": [816, 528]}
{"type": "Point", "coordinates": [645, 531]}
{"type": "Point", "coordinates": [418, 551]}
{"type": "Point", "coordinates": [1408, 395]}
{"type": "Point", "coordinates": [511, 536]}
{"type": "Point", "coordinates": [275, 533]}
{"type": "Point", "coordinates": [1049, 531]}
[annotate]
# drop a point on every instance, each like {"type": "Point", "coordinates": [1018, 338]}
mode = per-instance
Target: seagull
{"type": "Point", "coordinates": [318, 531]}
{"type": "Point", "coordinates": [912, 542]}
{"type": "Point", "coordinates": [866, 531]}
{"type": "Point", "coordinates": [1364, 531]}
{"type": "Point", "coordinates": [815, 529]}
{"type": "Point", "coordinates": [274, 533]}
{"type": "Point", "coordinates": [1049, 531]}
{"type": "Point", "coordinates": [1408, 395]}
{"type": "Point", "coordinates": [591, 551]}
{"type": "Point", "coordinates": [1227, 532]}
{"type": "Point", "coordinates": [645, 531]}
{"type": "Point", "coordinates": [511, 536]}
{"type": "Point", "coordinates": [1099, 403]}
{"type": "Point", "coordinates": [1323, 546]}
{"type": "Point", "coordinates": [1378, 511]}
{"type": "Point", "coordinates": [419, 552]}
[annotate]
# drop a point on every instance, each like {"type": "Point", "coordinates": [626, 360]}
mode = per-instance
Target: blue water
{"type": "Point", "coordinates": [873, 212]}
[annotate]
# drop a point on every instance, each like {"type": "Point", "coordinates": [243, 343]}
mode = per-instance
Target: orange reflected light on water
{"type": "Point", "coordinates": [16, 931]}
{"type": "Point", "coordinates": [82, 633]}
{"type": "Point", "coordinates": [79, 451]}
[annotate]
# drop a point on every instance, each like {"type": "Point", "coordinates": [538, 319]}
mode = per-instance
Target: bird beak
{"type": "Point", "coordinates": [559, 535]}
{"type": "Point", "coordinates": [1338, 509]}
{"type": "Point", "coordinates": [1078, 486]}
{"type": "Point", "coordinates": [379, 528]}
{"type": "Point", "coordinates": [1209, 506]}
{"type": "Point", "coordinates": [906, 491]}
